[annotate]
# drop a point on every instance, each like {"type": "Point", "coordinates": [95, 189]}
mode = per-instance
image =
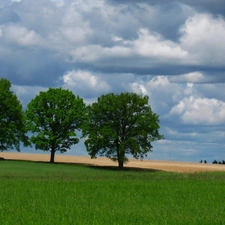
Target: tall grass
{"type": "Point", "coordinates": [42, 193]}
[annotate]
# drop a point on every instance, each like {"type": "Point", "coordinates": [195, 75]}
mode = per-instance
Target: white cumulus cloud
{"type": "Point", "coordinates": [85, 83]}
{"type": "Point", "coordinates": [202, 36]}
{"type": "Point", "coordinates": [196, 110]}
{"type": "Point", "coordinates": [152, 45]}
{"type": "Point", "coordinates": [20, 35]}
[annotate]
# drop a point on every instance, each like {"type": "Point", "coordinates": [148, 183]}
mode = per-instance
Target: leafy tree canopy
{"type": "Point", "coordinates": [52, 117]}
{"type": "Point", "coordinates": [119, 125]}
{"type": "Point", "coordinates": [12, 121]}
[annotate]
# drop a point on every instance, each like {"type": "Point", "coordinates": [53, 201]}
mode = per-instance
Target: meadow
{"type": "Point", "coordinates": [68, 193]}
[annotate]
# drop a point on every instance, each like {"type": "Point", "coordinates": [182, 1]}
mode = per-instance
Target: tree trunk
{"type": "Point", "coordinates": [120, 156]}
{"type": "Point", "coordinates": [52, 158]}
{"type": "Point", "coordinates": [120, 163]}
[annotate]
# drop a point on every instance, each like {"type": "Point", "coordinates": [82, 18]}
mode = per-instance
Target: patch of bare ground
{"type": "Point", "coordinates": [185, 167]}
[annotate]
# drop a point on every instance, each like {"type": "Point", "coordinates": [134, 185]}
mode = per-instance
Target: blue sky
{"type": "Point", "coordinates": [172, 51]}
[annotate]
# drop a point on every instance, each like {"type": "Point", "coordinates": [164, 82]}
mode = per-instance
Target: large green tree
{"type": "Point", "coordinates": [120, 125]}
{"type": "Point", "coordinates": [54, 117]}
{"type": "Point", "coordinates": [12, 121]}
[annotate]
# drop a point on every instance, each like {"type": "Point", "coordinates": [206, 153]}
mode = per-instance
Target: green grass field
{"type": "Point", "coordinates": [43, 193]}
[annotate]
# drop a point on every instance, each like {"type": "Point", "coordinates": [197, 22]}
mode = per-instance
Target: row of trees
{"type": "Point", "coordinates": [114, 126]}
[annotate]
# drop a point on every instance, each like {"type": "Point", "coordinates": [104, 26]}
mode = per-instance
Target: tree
{"type": "Point", "coordinates": [120, 125]}
{"type": "Point", "coordinates": [12, 120]}
{"type": "Point", "coordinates": [52, 117]}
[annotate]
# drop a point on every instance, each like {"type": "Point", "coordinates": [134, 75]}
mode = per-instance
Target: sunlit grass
{"type": "Point", "coordinates": [43, 193]}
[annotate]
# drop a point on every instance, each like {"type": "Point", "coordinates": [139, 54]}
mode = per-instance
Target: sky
{"type": "Point", "coordinates": [172, 51]}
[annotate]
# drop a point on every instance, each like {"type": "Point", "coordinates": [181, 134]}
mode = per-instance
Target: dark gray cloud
{"type": "Point", "coordinates": [7, 16]}
{"type": "Point", "coordinates": [215, 74]}
{"type": "Point", "coordinates": [216, 7]}
{"type": "Point", "coordinates": [211, 6]}
{"type": "Point", "coordinates": [40, 67]}
{"type": "Point", "coordinates": [154, 17]}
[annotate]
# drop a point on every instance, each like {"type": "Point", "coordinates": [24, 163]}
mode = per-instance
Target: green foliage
{"type": "Point", "coordinates": [53, 117]}
{"type": "Point", "coordinates": [12, 123]}
{"type": "Point", "coordinates": [120, 125]}
{"type": "Point", "coordinates": [42, 193]}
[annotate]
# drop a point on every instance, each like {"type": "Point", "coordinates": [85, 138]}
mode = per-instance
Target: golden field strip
{"type": "Point", "coordinates": [146, 164]}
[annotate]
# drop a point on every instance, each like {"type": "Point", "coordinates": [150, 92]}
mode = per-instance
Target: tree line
{"type": "Point", "coordinates": [114, 126]}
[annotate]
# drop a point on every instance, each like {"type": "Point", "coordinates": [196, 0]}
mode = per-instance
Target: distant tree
{"type": "Point", "coordinates": [12, 120]}
{"type": "Point", "coordinates": [119, 125]}
{"type": "Point", "coordinates": [53, 117]}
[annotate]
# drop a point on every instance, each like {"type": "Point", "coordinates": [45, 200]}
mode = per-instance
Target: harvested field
{"type": "Point", "coordinates": [186, 167]}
